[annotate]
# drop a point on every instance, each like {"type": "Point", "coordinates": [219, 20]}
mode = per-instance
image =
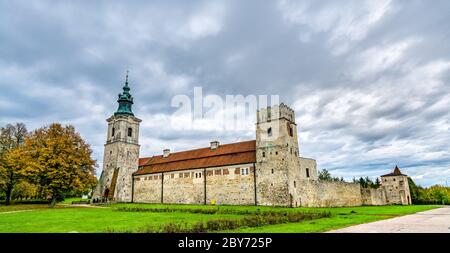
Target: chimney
{"type": "Point", "coordinates": [214, 144]}
{"type": "Point", "coordinates": [166, 152]}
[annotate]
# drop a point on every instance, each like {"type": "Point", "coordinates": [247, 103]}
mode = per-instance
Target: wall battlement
{"type": "Point", "coordinates": [275, 112]}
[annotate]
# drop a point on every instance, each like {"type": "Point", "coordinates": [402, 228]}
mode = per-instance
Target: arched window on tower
{"type": "Point", "coordinates": [130, 132]}
{"type": "Point", "coordinates": [269, 131]}
{"type": "Point", "coordinates": [113, 131]}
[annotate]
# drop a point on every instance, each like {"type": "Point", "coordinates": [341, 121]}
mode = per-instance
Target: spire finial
{"type": "Point", "coordinates": [125, 99]}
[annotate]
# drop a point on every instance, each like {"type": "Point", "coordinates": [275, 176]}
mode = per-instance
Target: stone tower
{"type": "Point", "coordinates": [277, 156]}
{"type": "Point", "coordinates": [121, 155]}
{"type": "Point", "coordinates": [397, 187]}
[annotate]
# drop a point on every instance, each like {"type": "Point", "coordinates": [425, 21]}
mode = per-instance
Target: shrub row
{"type": "Point", "coordinates": [230, 224]}
{"type": "Point", "coordinates": [28, 201]}
{"type": "Point", "coordinates": [167, 210]}
{"type": "Point", "coordinates": [201, 210]}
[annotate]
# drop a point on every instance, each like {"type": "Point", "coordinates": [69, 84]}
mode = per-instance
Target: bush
{"type": "Point", "coordinates": [254, 220]}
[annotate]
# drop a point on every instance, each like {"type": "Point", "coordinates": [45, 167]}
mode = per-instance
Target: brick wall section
{"type": "Point", "coordinates": [147, 189]}
{"type": "Point", "coordinates": [373, 197]}
{"type": "Point", "coordinates": [224, 185]}
{"type": "Point", "coordinates": [315, 193]}
{"type": "Point", "coordinates": [234, 188]}
{"type": "Point", "coordinates": [188, 189]}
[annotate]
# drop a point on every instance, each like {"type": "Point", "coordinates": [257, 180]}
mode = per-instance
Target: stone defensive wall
{"type": "Point", "coordinates": [315, 193]}
{"type": "Point", "coordinates": [374, 197]}
{"type": "Point", "coordinates": [233, 185]}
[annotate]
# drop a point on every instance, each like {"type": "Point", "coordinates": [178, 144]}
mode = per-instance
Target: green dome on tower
{"type": "Point", "coordinates": [125, 100]}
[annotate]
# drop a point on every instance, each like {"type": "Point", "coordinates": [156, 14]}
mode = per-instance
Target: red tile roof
{"type": "Point", "coordinates": [227, 154]}
{"type": "Point", "coordinates": [143, 161]}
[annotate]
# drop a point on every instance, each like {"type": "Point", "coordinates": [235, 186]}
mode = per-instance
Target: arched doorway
{"type": "Point", "coordinates": [106, 193]}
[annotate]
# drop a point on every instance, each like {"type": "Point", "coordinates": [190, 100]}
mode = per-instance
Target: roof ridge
{"type": "Point", "coordinates": [197, 158]}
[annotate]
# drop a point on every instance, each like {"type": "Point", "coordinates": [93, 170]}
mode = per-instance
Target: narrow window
{"type": "Point", "coordinates": [269, 131]}
{"type": "Point", "coordinates": [276, 153]}
{"type": "Point", "coordinates": [272, 171]}
{"type": "Point", "coordinates": [307, 172]}
{"type": "Point", "coordinates": [295, 185]}
{"type": "Point", "coordinates": [130, 132]}
{"type": "Point", "coordinates": [113, 131]}
{"type": "Point", "coordinates": [289, 129]}
{"type": "Point", "coordinates": [264, 154]}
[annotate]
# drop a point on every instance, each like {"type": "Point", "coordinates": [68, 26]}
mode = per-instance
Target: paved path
{"type": "Point", "coordinates": [432, 221]}
{"type": "Point", "coordinates": [18, 211]}
{"type": "Point", "coordinates": [83, 205]}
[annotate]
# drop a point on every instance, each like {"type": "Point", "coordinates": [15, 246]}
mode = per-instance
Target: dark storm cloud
{"type": "Point", "coordinates": [369, 80]}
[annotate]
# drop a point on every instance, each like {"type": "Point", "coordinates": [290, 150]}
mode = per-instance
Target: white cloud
{"type": "Point", "coordinates": [347, 22]}
{"type": "Point", "coordinates": [380, 58]}
{"type": "Point", "coordinates": [205, 22]}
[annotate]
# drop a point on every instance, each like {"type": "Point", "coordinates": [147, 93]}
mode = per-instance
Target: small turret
{"type": "Point", "coordinates": [397, 187]}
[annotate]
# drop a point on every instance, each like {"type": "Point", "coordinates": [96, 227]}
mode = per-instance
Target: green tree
{"type": "Point", "coordinates": [377, 183]}
{"type": "Point", "coordinates": [362, 182]}
{"type": "Point", "coordinates": [440, 194]}
{"type": "Point", "coordinates": [414, 190]}
{"type": "Point", "coordinates": [324, 175]}
{"type": "Point", "coordinates": [59, 161]}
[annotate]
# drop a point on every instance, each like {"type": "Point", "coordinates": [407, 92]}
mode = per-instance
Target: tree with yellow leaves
{"type": "Point", "coordinates": [58, 160]}
{"type": "Point", "coordinates": [11, 138]}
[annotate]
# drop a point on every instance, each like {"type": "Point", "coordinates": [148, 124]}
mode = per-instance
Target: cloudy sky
{"type": "Point", "coordinates": [369, 80]}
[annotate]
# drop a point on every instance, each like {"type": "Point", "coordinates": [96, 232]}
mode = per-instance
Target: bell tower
{"type": "Point", "coordinates": [121, 154]}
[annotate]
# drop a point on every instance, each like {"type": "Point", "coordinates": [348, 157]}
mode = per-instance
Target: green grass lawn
{"type": "Point", "coordinates": [341, 217]}
{"type": "Point", "coordinates": [84, 219]}
{"type": "Point", "coordinates": [70, 200]}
